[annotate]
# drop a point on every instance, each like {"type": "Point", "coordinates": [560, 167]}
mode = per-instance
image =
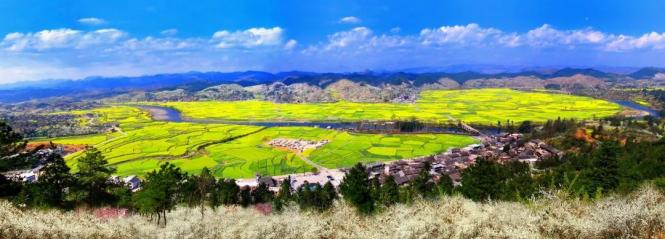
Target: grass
{"type": "Point", "coordinates": [481, 106]}
{"type": "Point", "coordinates": [143, 144]}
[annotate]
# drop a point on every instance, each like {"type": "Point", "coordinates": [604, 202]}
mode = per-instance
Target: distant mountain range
{"type": "Point", "coordinates": [194, 81]}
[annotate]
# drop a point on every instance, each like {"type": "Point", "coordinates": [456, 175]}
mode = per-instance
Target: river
{"type": "Point", "coordinates": [639, 107]}
{"type": "Point", "coordinates": [160, 113]}
{"type": "Point", "coordinates": [172, 115]}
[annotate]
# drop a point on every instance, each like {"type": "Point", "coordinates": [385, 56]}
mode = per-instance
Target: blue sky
{"type": "Point", "coordinates": [75, 39]}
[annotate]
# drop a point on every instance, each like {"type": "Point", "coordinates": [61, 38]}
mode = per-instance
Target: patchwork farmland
{"type": "Point", "coordinates": [137, 144]}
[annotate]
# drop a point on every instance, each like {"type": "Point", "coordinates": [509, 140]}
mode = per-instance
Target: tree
{"type": "Point", "coordinates": [160, 191]}
{"type": "Point", "coordinates": [93, 176]}
{"type": "Point", "coordinates": [423, 184]}
{"type": "Point", "coordinates": [525, 127]}
{"type": "Point", "coordinates": [604, 172]}
{"type": "Point", "coordinates": [355, 189]}
{"type": "Point", "coordinates": [481, 181]}
{"type": "Point", "coordinates": [205, 184]}
{"type": "Point", "coordinates": [284, 195]}
{"type": "Point", "coordinates": [330, 193]}
{"type": "Point", "coordinates": [285, 189]}
{"type": "Point", "coordinates": [11, 144]}
{"type": "Point", "coordinates": [262, 194]}
{"type": "Point", "coordinates": [229, 192]}
{"type": "Point", "coordinates": [389, 192]}
{"type": "Point", "coordinates": [446, 185]}
{"type": "Point", "coordinates": [50, 189]}
{"type": "Point", "coordinates": [245, 196]}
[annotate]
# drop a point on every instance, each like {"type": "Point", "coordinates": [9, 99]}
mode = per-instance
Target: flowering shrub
{"type": "Point", "coordinates": [263, 208]}
{"type": "Point", "coordinates": [108, 212]}
{"type": "Point", "coordinates": [640, 215]}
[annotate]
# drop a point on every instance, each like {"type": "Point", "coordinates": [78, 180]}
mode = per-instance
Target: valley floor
{"type": "Point", "coordinates": [640, 215]}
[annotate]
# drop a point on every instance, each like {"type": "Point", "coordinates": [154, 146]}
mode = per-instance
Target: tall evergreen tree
{"type": "Point", "coordinates": [389, 192]}
{"type": "Point", "coordinates": [261, 194]}
{"type": "Point", "coordinates": [229, 192]}
{"type": "Point", "coordinates": [604, 173]}
{"type": "Point", "coordinates": [93, 176]}
{"type": "Point", "coordinates": [423, 184]}
{"type": "Point", "coordinates": [355, 189]}
{"type": "Point", "coordinates": [445, 185]}
{"type": "Point", "coordinates": [482, 180]}
{"type": "Point", "coordinates": [205, 185]}
{"type": "Point", "coordinates": [50, 189]}
{"type": "Point", "coordinates": [160, 191]}
{"type": "Point", "coordinates": [245, 196]}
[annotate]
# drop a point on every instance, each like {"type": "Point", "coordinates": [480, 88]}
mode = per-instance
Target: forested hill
{"type": "Point", "coordinates": [195, 81]}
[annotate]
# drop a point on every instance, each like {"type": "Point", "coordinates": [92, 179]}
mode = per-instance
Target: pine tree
{"type": "Point", "coordinates": [445, 185]}
{"type": "Point", "coordinates": [261, 194]}
{"type": "Point", "coordinates": [604, 173]}
{"type": "Point", "coordinates": [245, 196]}
{"type": "Point", "coordinates": [160, 191]}
{"type": "Point", "coordinates": [50, 190]}
{"type": "Point", "coordinates": [93, 176]}
{"type": "Point", "coordinates": [389, 192]}
{"type": "Point", "coordinates": [355, 189]}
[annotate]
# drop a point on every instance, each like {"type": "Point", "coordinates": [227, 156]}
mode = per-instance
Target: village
{"type": "Point", "coordinates": [502, 148]}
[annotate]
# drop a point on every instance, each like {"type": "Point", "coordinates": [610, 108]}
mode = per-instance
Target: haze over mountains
{"type": "Point", "coordinates": [99, 87]}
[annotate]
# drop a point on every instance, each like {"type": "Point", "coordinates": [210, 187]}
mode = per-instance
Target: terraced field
{"type": "Point", "coordinates": [249, 155]}
{"type": "Point", "coordinates": [240, 151]}
{"type": "Point", "coordinates": [481, 106]}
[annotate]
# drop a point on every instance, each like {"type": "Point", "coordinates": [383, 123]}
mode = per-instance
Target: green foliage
{"type": "Point", "coordinates": [446, 185]}
{"type": "Point", "coordinates": [604, 172]}
{"type": "Point", "coordinates": [229, 191]}
{"type": "Point", "coordinates": [262, 194]}
{"type": "Point", "coordinates": [245, 196]}
{"type": "Point", "coordinates": [423, 184]}
{"type": "Point", "coordinates": [11, 144]}
{"type": "Point", "coordinates": [313, 196]}
{"type": "Point", "coordinates": [389, 192]}
{"type": "Point", "coordinates": [50, 190]}
{"type": "Point", "coordinates": [489, 180]}
{"type": "Point", "coordinates": [355, 188]}
{"type": "Point", "coordinates": [160, 191]}
{"type": "Point", "coordinates": [93, 176]}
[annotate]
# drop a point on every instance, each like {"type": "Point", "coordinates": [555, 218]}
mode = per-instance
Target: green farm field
{"type": "Point", "coordinates": [478, 106]}
{"type": "Point", "coordinates": [240, 151]}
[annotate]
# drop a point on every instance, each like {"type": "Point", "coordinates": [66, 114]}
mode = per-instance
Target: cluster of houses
{"type": "Point", "coordinates": [502, 148]}
{"type": "Point", "coordinates": [297, 145]}
{"type": "Point", "coordinates": [32, 174]}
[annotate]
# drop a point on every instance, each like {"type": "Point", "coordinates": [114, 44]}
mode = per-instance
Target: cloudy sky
{"type": "Point", "coordinates": [74, 39]}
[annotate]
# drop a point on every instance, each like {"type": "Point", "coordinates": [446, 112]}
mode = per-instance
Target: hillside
{"type": "Point", "coordinates": [641, 215]}
{"type": "Point", "coordinates": [379, 86]}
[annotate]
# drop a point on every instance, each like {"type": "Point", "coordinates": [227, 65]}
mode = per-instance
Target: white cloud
{"type": "Point", "coordinates": [546, 36]}
{"type": "Point", "coordinates": [349, 20]}
{"type": "Point", "coordinates": [463, 35]}
{"type": "Point", "coordinates": [169, 32]}
{"type": "Point", "coordinates": [253, 37]}
{"type": "Point", "coordinates": [111, 51]}
{"type": "Point", "coordinates": [60, 39]}
{"type": "Point", "coordinates": [652, 40]}
{"type": "Point", "coordinates": [92, 21]}
{"type": "Point", "coordinates": [344, 39]}
{"type": "Point", "coordinates": [290, 44]}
